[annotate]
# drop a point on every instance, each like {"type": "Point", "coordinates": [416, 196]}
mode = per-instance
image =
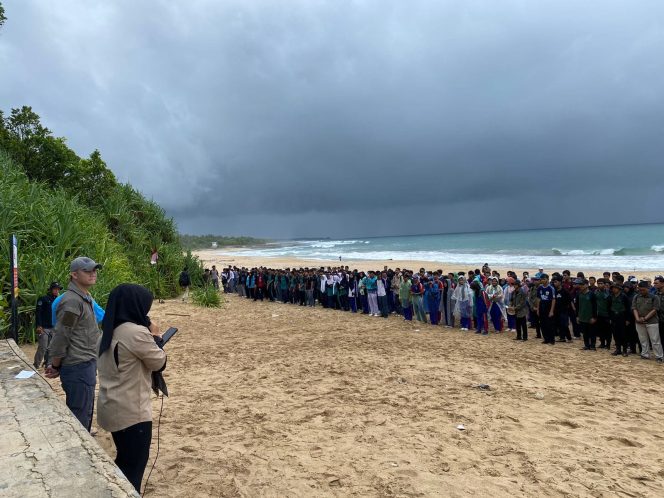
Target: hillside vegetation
{"type": "Point", "coordinates": [61, 206]}
{"type": "Point", "coordinates": [194, 242]}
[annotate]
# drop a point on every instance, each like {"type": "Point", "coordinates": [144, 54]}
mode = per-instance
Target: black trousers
{"type": "Point", "coordinates": [535, 323]}
{"type": "Point", "coordinates": [521, 328]}
{"type": "Point", "coordinates": [562, 327]}
{"type": "Point", "coordinates": [548, 329]}
{"type": "Point", "coordinates": [588, 331]}
{"type": "Point", "coordinates": [604, 331]}
{"type": "Point", "coordinates": [133, 449]}
{"type": "Point", "coordinates": [619, 334]}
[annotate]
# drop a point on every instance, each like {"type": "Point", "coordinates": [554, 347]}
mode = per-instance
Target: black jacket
{"type": "Point", "coordinates": [43, 314]}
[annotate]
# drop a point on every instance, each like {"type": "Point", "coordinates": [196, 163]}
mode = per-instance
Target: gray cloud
{"type": "Point", "coordinates": [351, 118]}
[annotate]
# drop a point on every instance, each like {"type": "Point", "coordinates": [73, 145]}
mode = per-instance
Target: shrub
{"type": "Point", "coordinates": [206, 296]}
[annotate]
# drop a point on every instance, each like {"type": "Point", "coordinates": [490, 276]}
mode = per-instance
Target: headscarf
{"type": "Point", "coordinates": [126, 303]}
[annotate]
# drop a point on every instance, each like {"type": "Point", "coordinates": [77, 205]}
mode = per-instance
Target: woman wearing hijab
{"type": "Point", "coordinates": [128, 356]}
{"type": "Point", "coordinates": [481, 307]}
{"type": "Point", "coordinates": [417, 298]}
{"type": "Point", "coordinates": [463, 303]}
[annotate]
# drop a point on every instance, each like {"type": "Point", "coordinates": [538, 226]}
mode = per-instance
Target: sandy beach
{"type": "Point", "coordinates": [277, 400]}
{"type": "Point", "coordinates": [221, 259]}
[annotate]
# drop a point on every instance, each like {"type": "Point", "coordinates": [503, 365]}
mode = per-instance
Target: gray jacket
{"type": "Point", "coordinates": [76, 332]}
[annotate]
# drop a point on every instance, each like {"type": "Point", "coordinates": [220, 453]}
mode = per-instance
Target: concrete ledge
{"type": "Point", "coordinates": [44, 450]}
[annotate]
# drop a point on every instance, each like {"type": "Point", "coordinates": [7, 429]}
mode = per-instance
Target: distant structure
{"type": "Point", "coordinates": [214, 245]}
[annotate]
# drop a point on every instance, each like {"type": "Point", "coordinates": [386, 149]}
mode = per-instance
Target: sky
{"type": "Point", "coordinates": [361, 118]}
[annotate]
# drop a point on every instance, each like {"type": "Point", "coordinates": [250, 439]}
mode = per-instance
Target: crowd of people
{"type": "Point", "coordinates": [611, 310]}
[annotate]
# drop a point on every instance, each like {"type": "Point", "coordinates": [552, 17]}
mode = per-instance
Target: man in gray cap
{"type": "Point", "coordinates": [73, 349]}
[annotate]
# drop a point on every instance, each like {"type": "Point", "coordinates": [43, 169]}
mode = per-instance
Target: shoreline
{"type": "Point", "coordinates": [221, 259]}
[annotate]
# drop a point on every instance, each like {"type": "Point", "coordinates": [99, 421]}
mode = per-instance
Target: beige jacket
{"type": "Point", "coordinates": [125, 378]}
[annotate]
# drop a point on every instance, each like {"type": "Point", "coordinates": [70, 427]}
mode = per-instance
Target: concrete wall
{"type": "Point", "coordinates": [44, 450]}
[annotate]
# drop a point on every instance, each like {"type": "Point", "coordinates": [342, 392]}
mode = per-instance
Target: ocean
{"type": "Point", "coordinates": [626, 247]}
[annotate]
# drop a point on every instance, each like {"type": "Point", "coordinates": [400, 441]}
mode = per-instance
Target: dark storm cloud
{"type": "Point", "coordinates": [355, 118]}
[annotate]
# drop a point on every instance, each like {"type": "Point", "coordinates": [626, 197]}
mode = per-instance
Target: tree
{"type": "Point", "coordinates": [93, 180]}
{"type": "Point", "coordinates": [2, 15]}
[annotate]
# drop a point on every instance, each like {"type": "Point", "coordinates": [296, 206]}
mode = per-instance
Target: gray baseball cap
{"type": "Point", "coordinates": [84, 263]}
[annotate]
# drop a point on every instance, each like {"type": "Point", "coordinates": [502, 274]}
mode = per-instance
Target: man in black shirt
{"type": "Point", "coordinates": [44, 323]}
{"type": "Point", "coordinates": [563, 304]}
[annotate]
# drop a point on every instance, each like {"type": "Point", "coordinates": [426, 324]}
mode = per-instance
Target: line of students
{"type": "Point", "coordinates": [613, 309]}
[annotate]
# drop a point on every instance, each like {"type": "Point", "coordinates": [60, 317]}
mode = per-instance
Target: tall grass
{"type": "Point", "coordinates": [52, 229]}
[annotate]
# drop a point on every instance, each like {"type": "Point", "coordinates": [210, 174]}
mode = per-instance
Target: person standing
{"type": "Point", "coordinates": [404, 297]}
{"type": "Point", "coordinates": [519, 304]}
{"type": "Point", "coordinates": [372, 293]}
{"type": "Point", "coordinates": [416, 296]}
{"type": "Point", "coordinates": [633, 343]}
{"type": "Point", "coordinates": [382, 286]}
{"type": "Point", "coordinates": [603, 321]}
{"type": "Point", "coordinates": [495, 295]}
{"type": "Point", "coordinates": [546, 308]}
{"type": "Point", "coordinates": [44, 323]}
{"type": "Point", "coordinates": [128, 355]}
{"type": "Point", "coordinates": [532, 305]}
{"type": "Point", "coordinates": [619, 313]}
{"type": "Point", "coordinates": [659, 288]}
{"type": "Point", "coordinates": [185, 282]}
{"type": "Point", "coordinates": [586, 306]}
{"type": "Point", "coordinates": [463, 303]}
{"type": "Point", "coordinates": [645, 308]}
{"type": "Point", "coordinates": [214, 276]}
{"type": "Point", "coordinates": [432, 296]}
{"type": "Point", "coordinates": [72, 352]}
{"type": "Point", "coordinates": [562, 311]}
{"type": "Point", "coordinates": [481, 307]}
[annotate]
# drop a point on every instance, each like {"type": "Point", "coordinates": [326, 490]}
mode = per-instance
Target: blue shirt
{"type": "Point", "coordinates": [546, 295]}
{"type": "Point", "coordinates": [370, 283]}
{"type": "Point", "coordinates": [99, 311]}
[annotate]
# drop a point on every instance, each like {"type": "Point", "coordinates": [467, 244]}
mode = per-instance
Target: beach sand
{"type": "Point", "coordinates": [221, 259]}
{"type": "Point", "coordinates": [279, 400]}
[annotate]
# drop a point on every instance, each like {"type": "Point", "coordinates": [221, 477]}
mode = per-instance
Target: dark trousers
{"type": "Point", "coordinates": [548, 329]}
{"type": "Point", "coordinates": [619, 334]}
{"type": "Point", "coordinates": [133, 449]}
{"type": "Point", "coordinates": [383, 306]}
{"type": "Point", "coordinates": [407, 312]}
{"type": "Point", "coordinates": [365, 304]}
{"type": "Point", "coordinates": [78, 383]}
{"type": "Point", "coordinates": [343, 302]}
{"type": "Point", "coordinates": [575, 324]}
{"type": "Point", "coordinates": [633, 338]}
{"type": "Point", "coordinates": [352, 303]}
{"type": "Point", "coordinates": [496, 317]}
{"type": "Point", "coordinates": [604, 331]}
{"type": "Point", "coordinates": [562, 327]}
{"type": "Point", "coordinates": [535, 323]}
{"type": "Point", "coordinates": [284, 295]}
{"type": "Point", "coordinates": [588, 331]}
{"type": "Point", "coordinates": [521, 328]}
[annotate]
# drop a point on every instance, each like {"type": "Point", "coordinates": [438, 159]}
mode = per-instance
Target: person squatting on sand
{"type": "Point", "coordinates": [608, 308]}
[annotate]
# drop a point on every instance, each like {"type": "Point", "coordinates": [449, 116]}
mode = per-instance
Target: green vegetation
{"type": "Point", "coordinates": [206, 296]}
{"type": "Point", "coordinates": [194, 242]}
{"type": "Point", "coordinates": [61, 206]}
